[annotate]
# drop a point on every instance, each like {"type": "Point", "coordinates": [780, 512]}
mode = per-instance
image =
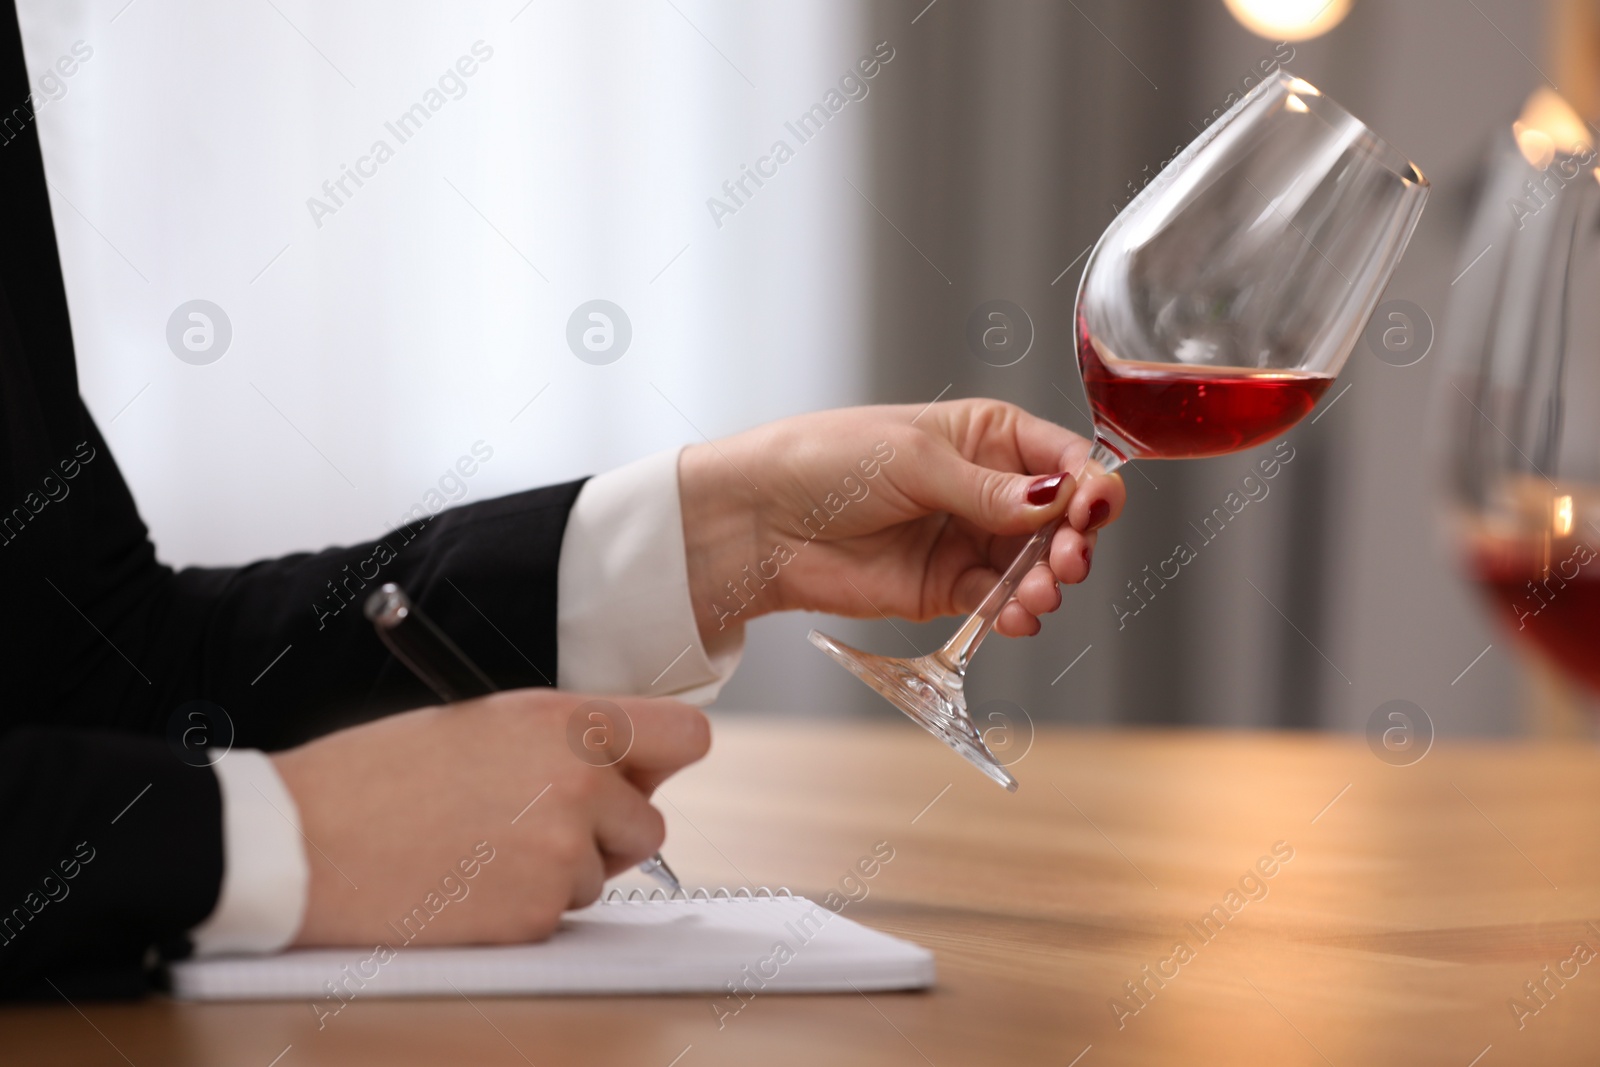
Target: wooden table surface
{"type": "Point", "coordinates": [1417, 903]}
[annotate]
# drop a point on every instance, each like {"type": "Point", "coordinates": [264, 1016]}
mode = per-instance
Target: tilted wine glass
{"type": "Point", "coordinates": [1523, 337]}
{"type": "Point", "coordinates": [1214, 311]}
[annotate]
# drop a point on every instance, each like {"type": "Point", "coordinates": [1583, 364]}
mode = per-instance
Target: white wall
{"type": "Point", "coordinates": [406, 327]}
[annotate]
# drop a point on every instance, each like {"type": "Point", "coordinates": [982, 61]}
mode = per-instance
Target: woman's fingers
{"type": "Point", "coordinates": [627, 828]}
{"type": "Point", "coordinates": [664, 736]}
{"type": "Point", "coordinates": [1068, 561]}
{"type": "Point", "coordinates": [1072, 554]}
{"type": "Point", "coordinates": [1039, 594]}
{"type": "Point", "coordinates": [987, 490]}
{"type": "Point", "coordinates": [1097, 502]}
{"type": "Point", "coordinates": [939, 478]}
{"type": "Point", "coordinates": [1042, 445]}
{"type": "Point", "coordinates": [1017, 621]}
{"type": "Point", "coordinates": [587, 872]}
{"type": "Point", "coordinates": [1004, 436]}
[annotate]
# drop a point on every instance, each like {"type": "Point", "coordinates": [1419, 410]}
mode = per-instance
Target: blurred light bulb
{"type": "Point", "coordinates": [1546, 112]}
{"type": "Point", "coordinates": [1563, 515]}
{"type": "Point", "coordinates": [1289, 20]}
{"type": "Point", "coordinates": [1536, 146]}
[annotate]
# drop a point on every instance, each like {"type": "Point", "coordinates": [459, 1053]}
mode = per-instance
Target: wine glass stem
{"type": "Point", "coordinates": [957, 652]}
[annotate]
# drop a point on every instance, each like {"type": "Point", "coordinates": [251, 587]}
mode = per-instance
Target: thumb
{"type": "Point", "coordinates": [1001, 502]}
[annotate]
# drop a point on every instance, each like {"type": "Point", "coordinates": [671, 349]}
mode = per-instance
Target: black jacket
{"type": "Point", "coordinates": [110, 843]}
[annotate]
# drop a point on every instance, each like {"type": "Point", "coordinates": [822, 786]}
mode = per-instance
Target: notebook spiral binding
{"type": "Point", "coordinates": [701, 894]}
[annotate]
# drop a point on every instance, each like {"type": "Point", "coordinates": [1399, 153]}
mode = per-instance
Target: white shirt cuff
{"type": "Point", "coordinates": [624, 621]}
{"type": "Point", "coordinates": [265, 874]}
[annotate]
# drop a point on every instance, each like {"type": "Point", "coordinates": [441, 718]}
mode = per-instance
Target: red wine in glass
{"type": "Point", "coordinates": [1546, 589]}
{"type": "Point", "coordinates": [1185, 411]}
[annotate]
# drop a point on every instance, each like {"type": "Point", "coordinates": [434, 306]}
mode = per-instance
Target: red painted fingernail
{"type": "Point", "coordinates": [1088, 554]}
{"type": "Point", "coordinates": [1044, 490]}
{"type": "Point", "coordinates": [1099, 511]}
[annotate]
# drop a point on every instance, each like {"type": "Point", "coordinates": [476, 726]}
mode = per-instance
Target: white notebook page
{"type": "Point", "coordinates": [767, 944]}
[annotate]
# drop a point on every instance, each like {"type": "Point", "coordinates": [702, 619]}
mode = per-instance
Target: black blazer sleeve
{"type": "Point", "coordinates": [112, 843]}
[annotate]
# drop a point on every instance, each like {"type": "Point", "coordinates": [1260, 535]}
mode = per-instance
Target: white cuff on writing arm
{"type": "Point", "coordinates": [265, 875]}
{"type": "Point", "coordinates": [624, 621]}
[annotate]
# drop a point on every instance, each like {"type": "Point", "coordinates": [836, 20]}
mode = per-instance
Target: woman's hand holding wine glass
{"type": "Point", "coordinates": [908, 511]}
{"type": "Point", "coordinates": [1213, 313]}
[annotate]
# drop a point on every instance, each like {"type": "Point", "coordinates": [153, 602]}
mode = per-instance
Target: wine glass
{"type": "Point", "coordinates": [1214, 311]}
{"type": "Point", "coordinates": [1524, 334]}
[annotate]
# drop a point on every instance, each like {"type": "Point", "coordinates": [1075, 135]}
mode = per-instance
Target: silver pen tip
{"type": "Point", "coordinates": [656, 867]}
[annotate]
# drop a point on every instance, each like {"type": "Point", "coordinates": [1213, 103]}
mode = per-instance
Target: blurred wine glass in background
{"type": "Point", "coordinates": [1524, 334]}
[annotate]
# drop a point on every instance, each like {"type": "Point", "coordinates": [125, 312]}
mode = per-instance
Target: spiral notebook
{"type": "Point", "coordinates": [762, 942]}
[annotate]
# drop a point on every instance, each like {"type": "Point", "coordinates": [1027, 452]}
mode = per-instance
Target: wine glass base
{"type": "Point", "coordinates": [926, 691]}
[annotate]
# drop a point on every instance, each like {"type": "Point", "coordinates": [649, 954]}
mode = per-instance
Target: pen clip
{"type": "Point", "coordinates": [424, 648]}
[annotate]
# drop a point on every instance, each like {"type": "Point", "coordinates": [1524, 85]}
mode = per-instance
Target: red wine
{"type": "Point", "coordinates": [1182, 411]}
{"type": "Point", "coordinates": [1548, 595]}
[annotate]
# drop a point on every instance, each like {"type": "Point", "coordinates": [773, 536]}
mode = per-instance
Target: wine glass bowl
{"type": "Point", "coordinates": [1219, 305]}
{"type": "Point", "coordinates": [1213, 313]}
{"type": "Point", "coordinates": [1523, 334]}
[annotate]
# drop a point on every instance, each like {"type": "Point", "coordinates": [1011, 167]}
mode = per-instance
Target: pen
{"type": "Point", "coordinates": [440, 664]}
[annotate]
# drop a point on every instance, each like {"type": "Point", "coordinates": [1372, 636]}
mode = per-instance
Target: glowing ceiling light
{"type": "Point", "coordinates": [1289, 20]}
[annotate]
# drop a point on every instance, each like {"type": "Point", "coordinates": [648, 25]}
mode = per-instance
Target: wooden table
{"type": "Point", "coordinates": [1418, 902]}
